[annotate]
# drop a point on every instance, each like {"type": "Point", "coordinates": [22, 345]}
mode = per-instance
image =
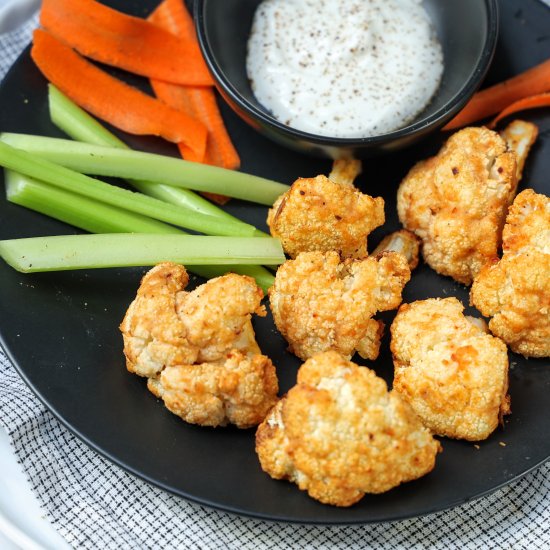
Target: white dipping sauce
{"type": "Point", "coordinates": [344, 68]}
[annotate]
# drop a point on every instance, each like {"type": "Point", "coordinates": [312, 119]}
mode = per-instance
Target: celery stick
{"type": "Point", "coordinates": [97, 217]}
{"type": "Point", "coordinates": [81, 126]}
{"type": "Point", "coordinates": [173, 195]}
{"type": "Point", "coordinates": [76, 122]}
{"type": "Point", "coordinates": [180, 197]}
{"type": "Point", "coordinates": [109, 161]}
{"type": "Point", "coordinates": [44, 170]}
{"type": "Point", "coordinates": [68, 252]}
{"type": "Point", "coordinates": [87, 214]}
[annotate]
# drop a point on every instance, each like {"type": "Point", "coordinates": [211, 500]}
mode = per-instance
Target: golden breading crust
{"type": "Point", "coordinates": [515, 291]}
{"type": "Point", "coordinates": [339, 434]}
{"type": "Point", "coordinates": [453, 374]}
{"type": "Point", "coordinates": [403, 241]}
{"type": "Point", "coordinates": [520, 136]}
{"type": "Point", "coordinates": [317, 214]}
{"type": "Point", "coordinates": [456, 202]}
{"type": "Point", "coordinates": [198, 348]}
{"type": "Point", "coordinates": [321, 303]}
{"type": "Point", "coordinates": [527, 224]}
{"type": "Point", "coordinates": [240, 390]}
{"type": "Point", "coordinates": [345, 171]}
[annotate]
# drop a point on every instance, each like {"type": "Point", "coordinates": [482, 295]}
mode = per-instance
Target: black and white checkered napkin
{"type": "Point", "coordinates": [95, 504]}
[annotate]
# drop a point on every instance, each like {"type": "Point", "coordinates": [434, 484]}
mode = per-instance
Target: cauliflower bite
{"type": "Point", "coordinates": [520, 135]}
{"type": "Point", "coordinates": [452, 373]}
{"type": "Point", "coordinates": [320, 302]}
{"type": "Point", "coordinates": [339, 434]}
{"type": "Point", "coordinates": [527, 224]}
{"type": "Point", "coordinates": [198, 348]}
{"type": "Point", "coordinates": [515, 291]}
{"type": "Point", "coordinates": [239, 390]}
{"type": "Point", "coordinates": [456, 202]}
{"type": "Point", "coordinates": [323, 214]}
{"type": "Point", "coordinates": [401, 241]}
{"type": "Point", "coordinates": [345, 171]}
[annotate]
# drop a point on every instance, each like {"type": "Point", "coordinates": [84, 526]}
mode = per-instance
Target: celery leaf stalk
{"type": "Point", "coordinates": [124, 163]}
{"type": "Point", "coordinates": [81, 126]}
{"type": "Point", "coordinates": [67, 252]}
{"type": "Point", "coordinates": [97, 217]}
{"type": "Point", "coordinates": [37, 167]}
{"type": "Point", "coordinates": [76, 122]}
{"type": "Point", "coordinates": [77, 210]}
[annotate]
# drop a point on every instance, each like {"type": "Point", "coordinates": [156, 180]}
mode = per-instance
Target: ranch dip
{"type": "Point", "coordinates": [343, 68]}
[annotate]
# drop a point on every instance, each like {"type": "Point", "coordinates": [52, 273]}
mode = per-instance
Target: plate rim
{"type": "Point", "coordinates": [205, 502]}
{"type": "Point", "coordinates": [243, 513]}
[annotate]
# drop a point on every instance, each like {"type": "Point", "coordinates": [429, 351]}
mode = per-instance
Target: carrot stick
{"type": "Point", "coordinates": [179, 98]}
{"type": "Point", "coordinates": [531, 102]}
{"type": "Point", "coordinates": [198, 102]}
{"type": "Point", "coordinates": [130, 43]}
{"type": "Point", "coordinates": [182, 98]}
{"type": "Point", "coordinates": [172, 16]}
{"type": "Point", "coordinates": [111, 99]}
{"type": "Point", "coordinates": [494, 99]}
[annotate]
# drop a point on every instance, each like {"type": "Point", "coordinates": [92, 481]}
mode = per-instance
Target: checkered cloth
{"type": "Point", "coordinates": [95, 504]}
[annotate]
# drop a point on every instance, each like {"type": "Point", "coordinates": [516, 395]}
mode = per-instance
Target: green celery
{"type": "Point", "coordinates": [77, 210]}
{"type": "Point", "coordinates": [97, 217]}
{"type": "Point", "coordinates": [76, 122]}
{"type": "Point", "coordinates": [37, 167]}
{"type": "Point", "coordinates": [81, 126]}
{"type": "Point", "coordinates": [123, 163]}
{"type": "Point", "coordinates": [173, 195]}
{"type": "Point", "coordinates": [67, 252]}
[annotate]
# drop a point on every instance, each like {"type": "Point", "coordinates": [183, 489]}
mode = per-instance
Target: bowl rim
{"type": "Point", "coordinates": [439, 118]}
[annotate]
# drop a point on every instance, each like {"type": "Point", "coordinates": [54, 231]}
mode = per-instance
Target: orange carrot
{"type": "Point", "coordinates": [531, 102]}
{"type": "Point", "coordinates": [111, 99]}
{"type": "Point", "coordinates": [198, 102]}
{"type": "Point", "coordinates": [494, 99]}
{"type": "Point", "coordinates": [130, 43]}
{"type": "Point", "coordinates": [178, 97]}
{"type": "Point", "coordinates": [172, 16]}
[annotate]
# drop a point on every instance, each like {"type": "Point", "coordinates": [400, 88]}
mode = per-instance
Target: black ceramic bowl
{"type": "Point", "coordinates": [467, 30]}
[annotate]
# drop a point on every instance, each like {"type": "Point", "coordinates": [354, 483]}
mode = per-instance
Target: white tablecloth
{"type": "Point", "coordinates": [94, 504]}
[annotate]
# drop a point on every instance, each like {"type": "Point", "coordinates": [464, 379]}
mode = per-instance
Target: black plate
{"type": "Point", "coordinates": [60, 330]}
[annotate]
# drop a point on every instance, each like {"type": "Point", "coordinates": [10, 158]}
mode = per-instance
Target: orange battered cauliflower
{"type": "Point", "coordinates": [339, 434]}
{"type": "Point", "coordinates": [198, 348]}
{"type": "Point", "coordinates": [515, 291]}
{"type": "Point", "coordinates": [452, 373]}
{"type": "Point", "coordinates": [456, 202]}
{"type": "Point", "coordinates": [321, 303]}
{"type": "Point", "coordinates": [324, 214]}
{"type": "Point", "coordinates": [520, 136]}
{"type": "Point", "coordinates": [401, 241]}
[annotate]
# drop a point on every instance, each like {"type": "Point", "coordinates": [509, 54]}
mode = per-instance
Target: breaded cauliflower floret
{"type": "Point", "coordinates": [339, 434]}
{"type": "Point", "coordinates": [456, 202]}
{"type": "Point", "coordinates": [198, 348]}
{"type": "Point", "coordinates": [401, 241]}
{"type": "Point", "coordinates": [322, 303]}
{"type": "Point", "coordinates": [520, 136]}
{"type": "Point", "coordinates": [240, 390]}
{"type": "Point", "coordinates": [527, 224]}
{"type": "Point", "coordinates": [452, 373]}
{"type": "Point", "coordinates": [515, 291]}
{"type": "Point", "coordinates": [321, 214]}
